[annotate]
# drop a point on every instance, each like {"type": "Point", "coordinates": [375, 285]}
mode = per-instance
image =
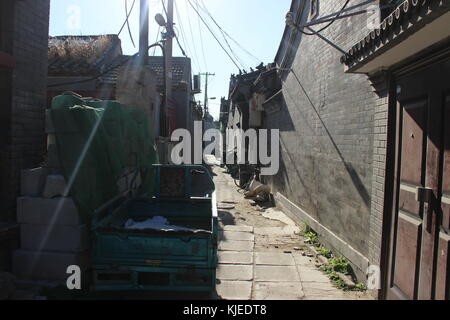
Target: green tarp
{"type": "Point", "coordinates": [96, 142]}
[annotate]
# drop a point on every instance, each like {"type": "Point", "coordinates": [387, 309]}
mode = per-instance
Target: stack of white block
{"type": "Point", "coordinates": [52, 234]}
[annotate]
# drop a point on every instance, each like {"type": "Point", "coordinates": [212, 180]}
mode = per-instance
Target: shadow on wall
{"type": "Point", "coordinates": [278, 113]}
{"type": "Point", "coordinates": [359, 185]}
{"type": "Point", "coordinates": [348, 166]}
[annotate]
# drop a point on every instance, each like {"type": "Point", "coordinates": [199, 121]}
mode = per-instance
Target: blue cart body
{"type": "Point", "coordinates": [160, 260]}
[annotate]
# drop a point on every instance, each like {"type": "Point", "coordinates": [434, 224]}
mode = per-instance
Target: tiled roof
{"type": "Point", "coordinates": [406, 16]}
{"type": "Point", "coordinates": [181, 70]}
{"type": "Point", "coordinates": [82, 55]}
{"type": "Point", "coordinates": [78, 56]}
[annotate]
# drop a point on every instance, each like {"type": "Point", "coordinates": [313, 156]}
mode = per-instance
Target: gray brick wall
{"type": "Point", "coordinates": [25, 142]}
{"type": "Point", "coordinates": [333, 137]}
{"type": "Point", "coordinates": [378, 178]}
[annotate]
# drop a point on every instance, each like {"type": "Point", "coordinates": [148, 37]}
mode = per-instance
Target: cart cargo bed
{"type": "Point", "coordinates": [158, 259]}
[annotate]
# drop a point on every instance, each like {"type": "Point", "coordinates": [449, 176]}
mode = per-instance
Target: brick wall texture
{"type": "Point", "coordinates": [24, 145]}
{"type": "Point", "coordinates": [333, 137]}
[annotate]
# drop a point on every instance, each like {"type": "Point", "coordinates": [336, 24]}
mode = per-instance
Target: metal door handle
{"type": "Point", "coordinates": [424, 195]}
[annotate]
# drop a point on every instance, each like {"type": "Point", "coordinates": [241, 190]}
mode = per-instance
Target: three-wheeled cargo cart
{"type": "Point", "coordinates": [166, 240]}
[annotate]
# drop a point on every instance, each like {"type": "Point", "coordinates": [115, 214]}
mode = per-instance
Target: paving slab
{"type": "Point", "coordinates": [302, 260]}
{"type": "Point", "coordinates": [274, 259]}
{"type": "Point", "coordinates": [276, 273]}
{"type": "Point", "coordinates": [226, 217]}
{"type": "Point", "coordinates": [277, 231]}
{"type": "Point", "coordinates": [320, 289]}
{"type": "Point", "coordinates": [327, 298]}
{"type": "Point", "coordinates": [311, 274]}
{"type": "Point", "coordinates": [236, 235]}
{"type": "Point", "coordinates": [234, 272]}
{"type": "Point", "coordinates": [278, 291]}
{"type": "Point", "coordinates": [233, 245]}
{"type": "Point", "coordinates": [235, 257]}
{"type": "Point", "coordinates": [274, 214]}
{"type": "Point", "coordinates": [234, 290]}
{"type": "Point", "coordinates": [237, 228]}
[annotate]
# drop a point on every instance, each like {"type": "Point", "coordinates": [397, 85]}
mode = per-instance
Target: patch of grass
{"type": "Point", "coordinates": [335, 265]}
{"type": "Point", "coordinates": [360, 287]}
{"type": "Point", "coordinates": [324, 252]}
{"type": "Point", "coordinates": [307, 228]}
{"type": "Point", "coordinates": [311, 237]}
{"type": "Point", "coordinates": [339, 264]}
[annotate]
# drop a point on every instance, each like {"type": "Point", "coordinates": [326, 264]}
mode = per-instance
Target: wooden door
{"type": "Point", "coordinates": [419, 261]}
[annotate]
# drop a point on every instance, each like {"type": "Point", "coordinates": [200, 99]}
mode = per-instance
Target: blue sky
{"type": "Point", "coordinates": [257, 25]}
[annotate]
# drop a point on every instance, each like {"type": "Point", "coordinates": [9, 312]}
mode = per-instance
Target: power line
{"type": "Point", "coordinates": [192, 37]}
{"type": "Point", "coordinates": [157, 38]}
{"type": "Point", "coordinates": [226, 41]}
{"type": "Point", "coordinates": [126, 22]}
{"type": "Point", "coordinates": [183, 35]}
{"type": "Point", "coordinates": [157, 34]}
{"type": "Point", "coordinates": [212, 33]}
{"type": "Point", "coordinates": [313, 33]}
{"type": "Point", "coordinates": [201, 41]}
{"type": "Point", "coordinates": [109, 68]}
{"type": "Point", "coordinates": [205, 9]}
{"type": "Point", "coordinates": [184, 38]}
{"type": "Point", "coordinates": [183, 52]}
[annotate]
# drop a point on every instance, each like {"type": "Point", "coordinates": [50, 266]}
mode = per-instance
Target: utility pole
{"type": "Point", "coordinates": [168, 56]}
{"type": "Point", "coordinates": [205, 103]}
{"type": "Point", "coordinates": [143, 32]}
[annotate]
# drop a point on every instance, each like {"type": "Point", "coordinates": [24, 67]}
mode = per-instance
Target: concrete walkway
{"type": "Point", "coordinates": [261, 256]}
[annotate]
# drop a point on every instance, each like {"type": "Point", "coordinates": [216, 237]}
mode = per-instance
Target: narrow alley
{"type": "Point", "coordinates": [261, 254]}
{"type": "Point", "coordinates": [222, 151]}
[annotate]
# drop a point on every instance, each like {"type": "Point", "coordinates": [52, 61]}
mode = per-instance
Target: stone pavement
{"type": "Point", "coordinates": [260, 253]}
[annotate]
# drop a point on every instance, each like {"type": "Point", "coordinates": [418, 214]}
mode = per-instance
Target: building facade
{"type": "Point", "coordinates": [23, 89]}
{"type": "Point", "coordinates": [362, 110]}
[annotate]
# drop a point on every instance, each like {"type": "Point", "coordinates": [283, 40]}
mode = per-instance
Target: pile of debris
{"type": "Point", "coordinates": [258, 192]}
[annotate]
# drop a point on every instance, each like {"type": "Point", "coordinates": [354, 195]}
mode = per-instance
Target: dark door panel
{"type": "Point", "coordinates": [420, 263]}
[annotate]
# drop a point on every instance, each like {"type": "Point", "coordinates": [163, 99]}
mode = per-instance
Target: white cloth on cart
{"type": "Point", "coordinates": [155, 223]}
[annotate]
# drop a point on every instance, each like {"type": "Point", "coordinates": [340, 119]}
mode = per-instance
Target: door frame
{"type": "Point", "coordinates": [416, 64]}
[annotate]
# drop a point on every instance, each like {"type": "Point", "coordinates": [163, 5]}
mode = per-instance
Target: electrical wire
{"type": "Point", "coordinates": [126, 22]}
{"type": "Point", "coordinates": [183, 52]}
{"type": "Point", "coordinates": [224, 38]}
{"type": "Point", "coordinates": [184, 37]}
{"type": "Point", "coordinates": [192, 38]}
{"type": "Point", "coordinates": [201, 41]}
{"type": "Point", "coordinates": [205, 9]}
{"type": "Point", "coordinates": [327, 26]}
{"type": "Point", "coordinates": [110, 68]}
{"type": "Point", "coordinates": [157, 39]}
{"type": "Point", "coordinates": [212, 33]}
